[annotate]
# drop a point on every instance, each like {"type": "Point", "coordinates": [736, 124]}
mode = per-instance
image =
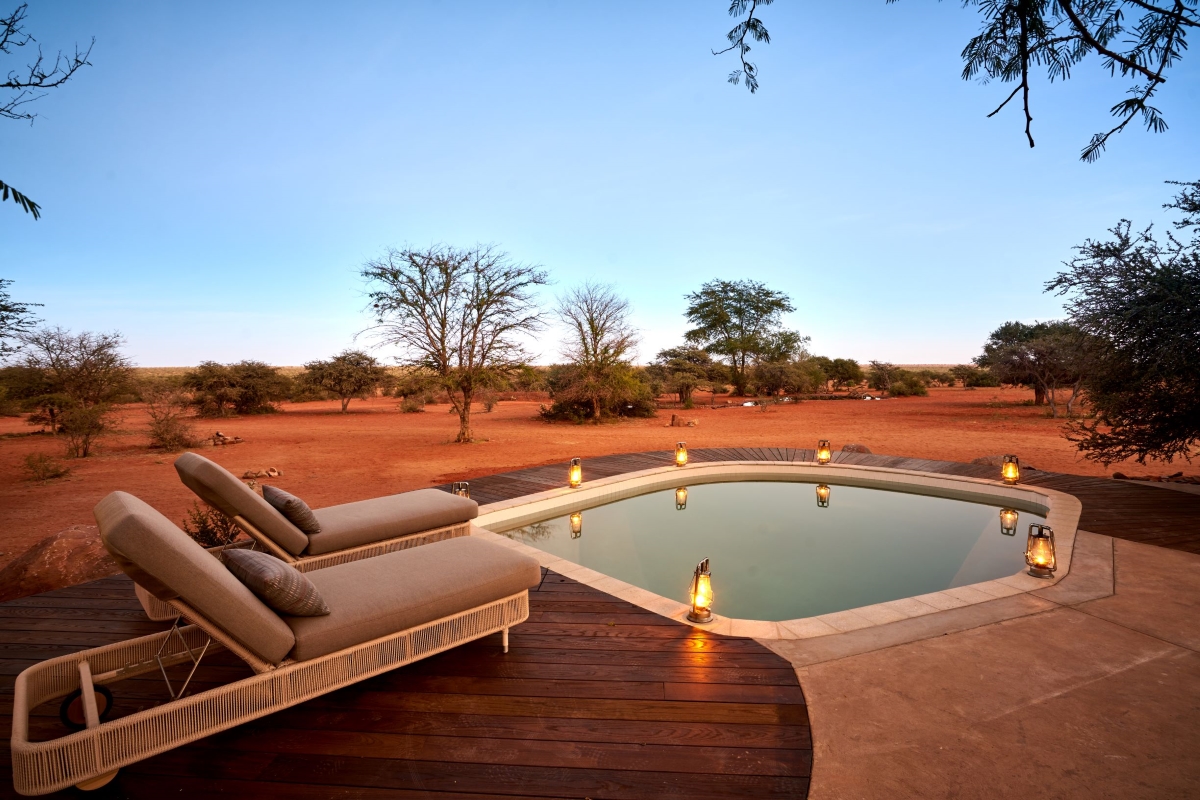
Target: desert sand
{"type": "Point", "coordinates": [326, 457]}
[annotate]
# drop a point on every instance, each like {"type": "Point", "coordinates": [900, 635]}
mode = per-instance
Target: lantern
{"type": "Point", "coordinates": [575, 474]}
{"type": "Point", "coordinates": [1039, 551]}
{"type": "Point", "coordinates": [1011, 470]}
{"type": "Point", "coordinates": [576, 524]}
{"type": "Point", "coordinates": [701, 594]}
{"type": "Point", "coordinates": [823, 452]}
{"type": "Point", "coordinates": [823, 495]}
{"type": "Point", "coordinates": [681, 498]}
{"type": "Point", "coordinates": [461, 488]}
{"type": "Point", "coordinates": [681, 454]}
{"type": "Point", "coordinates": [1008, 521]}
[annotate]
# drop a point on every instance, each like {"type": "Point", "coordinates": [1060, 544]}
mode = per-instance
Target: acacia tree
{"type": "Point", "coordinates": [601, 343]}
{"type": "Point", "coordinates": [1137, 39]}
{"type": "Point", "coordinates": [350, 374]}
{"type": "Point", "coordinates": [16, 318]}
{"type": "Point", "coordinates": [1140, 299]}
{"type": "Point", "coordinates": [740, 320]}
{"type": "Point", "coordinates": [30, 83]}
{"type": "Point", "coordinates": [459, 313]}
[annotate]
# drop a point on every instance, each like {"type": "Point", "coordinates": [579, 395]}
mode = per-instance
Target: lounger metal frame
{"type": "Point", "coordinates": [159, 611]}
{"type": "Point", "coordinates": [92, 755]}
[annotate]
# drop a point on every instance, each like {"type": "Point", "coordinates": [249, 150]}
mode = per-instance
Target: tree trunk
{"type": "Point", "coordinates": [1039, 395]}
{"type": "Point", "coordinates": [464, 419]}
{"type": "Point", "coordinates": [345, 402]}
{"type": "Point", "coordinates": [596, 408]}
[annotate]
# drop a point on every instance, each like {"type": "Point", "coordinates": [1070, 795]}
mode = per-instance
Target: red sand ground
{"type": "Point", "coordinates": [329, 458]}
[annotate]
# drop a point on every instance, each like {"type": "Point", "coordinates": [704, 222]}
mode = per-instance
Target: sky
{"type": "Point", "coordinates": [213, 184]}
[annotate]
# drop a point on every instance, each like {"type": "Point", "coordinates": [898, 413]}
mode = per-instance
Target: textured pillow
{"type": "Point", "coordinates": [296, 510]}
{"type": "Point", "coordinates": [275, 583]}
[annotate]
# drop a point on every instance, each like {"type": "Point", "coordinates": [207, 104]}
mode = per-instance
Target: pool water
{"type": "Point", "coordinates": [775, 554]}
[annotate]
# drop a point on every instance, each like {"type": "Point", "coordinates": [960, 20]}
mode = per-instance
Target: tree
{"type": "Point", "coordinates": [844, 372]}
{"type": "Point", "coordinates": [1140, 299]}
{"type": "Point", "coordinates": [601, 342]}
{"type": "Point", "coordinates": [882, 375]}
{"type": "Point", "coordinates": [682, 370]}
{"type": "Point", "coordinates": [29, 84]}
{"type": "Point", "coordinates": [459, 313]}
{"type": "Point", "coordinates": [350, 374]}
{"type": "Point", "coordinates": [76, 377]}
{"type": "Point", "coordinates": [16, 318]}
{"type": "Point", "coordinates": [1138, 39]}
{"type": "Point", "coordinates": [740, 320]}
{"type": "Point", "coordinates": [247, 387]}
{"type": "Point", "coordinates": [1002, 356]}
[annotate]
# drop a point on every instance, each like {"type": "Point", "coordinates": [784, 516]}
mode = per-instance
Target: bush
{"type": "Point", "coordinates": [489, 401]}
{"type": "Point", "coordinates": [908, 386]}
{"type": "Point", "coordinates": [247, 387]}
{"type": "Point", "coordinates": [169, 427]}
{"type": "Point", "coordinates": [209, 527]}
{"type": "Point", "coordinates": [41, 468]}
{"type": "Point", "coordinates": [626, 394]}
{"type": "Point", "coordinates": [83, 425]}
{"type": "Point", "coordinates": [411, 405]}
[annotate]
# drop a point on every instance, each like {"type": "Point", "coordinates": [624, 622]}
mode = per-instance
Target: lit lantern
{"type": "Point", "coordinates": [461, 488]}
{"type": "Point", "coordinates": [1039, 551]}
{"type": "Point", "coordinates": [823, 452]}
{"type": "Point", "coordinates": [1008, 521]}
{"type": "Point", "coordinates": [681, 498]}
{"type": "Point", "coordinates": [575, 474]}
{"type": "Point", "coordinates": [681, 454]}
{"type": "Point", "coordinates": [823, 495]}
{"type": "Point", "coordinates": [1011, 470]}
{"type": "Point", "coordinates": [701, 594]}
{"type": "Point", "coordinates": [576, 524]}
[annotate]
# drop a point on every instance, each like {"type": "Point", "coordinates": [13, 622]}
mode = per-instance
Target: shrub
{"type": "Point", "coordinates": [411, 405]}
{"type": "Point", "coordinates": [169, 427]}
{"type": "Point", "coordinates": [908, 386]}
{"type": "Point", "coordinates": [247, 387]}
{"type": "Point", "coordinates": [348, 375]}
{"type": "Point", "coordinates": [626, 394]}
{"type": "Point", "coordinates": [83, 425]}
{"type": "Point", "coordinates": [489, 400]}
{"type": "Point", "coordinates": [209, 527]}
{"type": "Point", "coordinates": [41, 468]}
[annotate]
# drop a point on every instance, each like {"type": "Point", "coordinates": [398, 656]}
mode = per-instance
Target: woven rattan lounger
{"type": "Point", "coordinates": [349, 532]}
{"type": "Point", "coordinates": [386, 612]}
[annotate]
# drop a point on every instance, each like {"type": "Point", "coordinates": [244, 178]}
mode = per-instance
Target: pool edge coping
{"type": "Point", "coordinates": [1062, 514]}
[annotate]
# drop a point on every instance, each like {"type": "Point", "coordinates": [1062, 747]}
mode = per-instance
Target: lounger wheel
{"type": "Point", "coordinates": [71, 710]}
{"type": "Point", "coordinates": [92, 784]}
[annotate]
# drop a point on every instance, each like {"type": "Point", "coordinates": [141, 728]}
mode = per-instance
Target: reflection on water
{"type": "Point", "coordinates": [776, 554]}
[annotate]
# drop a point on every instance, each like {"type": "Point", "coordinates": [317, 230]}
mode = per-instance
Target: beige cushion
{"type": "Point", "coordinates": [296, 510]}
{"type": "Point", "coordinates": [164, 560]}
{"type": "Point", "coordinates": [354, 524]}
{"type": "Point", "coordinates": [390, 593]}
{"type": "Point", "coordinates": [277, 584]}
{"type": "Point", "coordinates": [219, 488]}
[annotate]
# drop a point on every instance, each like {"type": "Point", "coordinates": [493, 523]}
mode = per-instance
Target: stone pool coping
{"type": "Point", "coordinates": [1060, 509]}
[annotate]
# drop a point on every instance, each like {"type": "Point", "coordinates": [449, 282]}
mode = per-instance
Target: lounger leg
{"type": "Point", "coordinates": [87, 694]}
{"type": "Point", "coordinates": [504, 636]}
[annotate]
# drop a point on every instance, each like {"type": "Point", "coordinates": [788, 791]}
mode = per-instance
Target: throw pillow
{"type": "Point", "coordinates": [275, 583]}
{"type": "Point", "coordinates": [296, 510]}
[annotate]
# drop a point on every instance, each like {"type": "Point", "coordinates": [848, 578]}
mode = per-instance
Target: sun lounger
{"type": "Point", "coordinates": [348, 532]}
{"type": "Point", "coordinates": [385, 612]}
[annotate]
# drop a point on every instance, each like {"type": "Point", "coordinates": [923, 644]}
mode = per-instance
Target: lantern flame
{"type": "Point", "coordinates": [823, 492]}
{"type": "Point", "coordinates": [1011, 470]}
{"type": "Point", "coordinates": [701, 594]}
{"type": "Point", "coordinates": [681, 498]}
{"type": "Point", "coordinates": [1039, 551]}
{"type": "Point", "coordinates": [576, 524]}
{"type": "Point", "coordinates": [824, 454]}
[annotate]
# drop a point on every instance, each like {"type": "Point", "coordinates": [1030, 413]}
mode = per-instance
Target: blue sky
{"type": "Point", "coordinates": [212, 185]}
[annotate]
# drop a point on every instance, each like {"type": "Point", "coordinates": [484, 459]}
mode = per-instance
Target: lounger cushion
{"type": "Point", "coordinates": [277, 584]}
{"type": "Point", "coordinates": [219, 488]}
{"type": "Point", "coordinates": [296, 510]}
{"type": "Point", "coordinates": [368, 521]}
{"type": "Point", "coordinates": [378, 596]}
{"type": "Point", "coordinates": [167, 563]}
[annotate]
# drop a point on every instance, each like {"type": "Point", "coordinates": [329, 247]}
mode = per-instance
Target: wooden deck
{"type": "Point", "coordinates": [596, 698]}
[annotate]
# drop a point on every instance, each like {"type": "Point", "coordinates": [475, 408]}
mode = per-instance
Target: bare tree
{"type": "Point", "coordinates": [25, 86]}
{"type": "Point", "coordinates": [459, 313]}
{"type": "Point", "coordinates": [602, 340]}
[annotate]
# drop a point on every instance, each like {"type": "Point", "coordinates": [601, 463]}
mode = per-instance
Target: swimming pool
{"type": "Point", "coordinates": [780, 551]}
